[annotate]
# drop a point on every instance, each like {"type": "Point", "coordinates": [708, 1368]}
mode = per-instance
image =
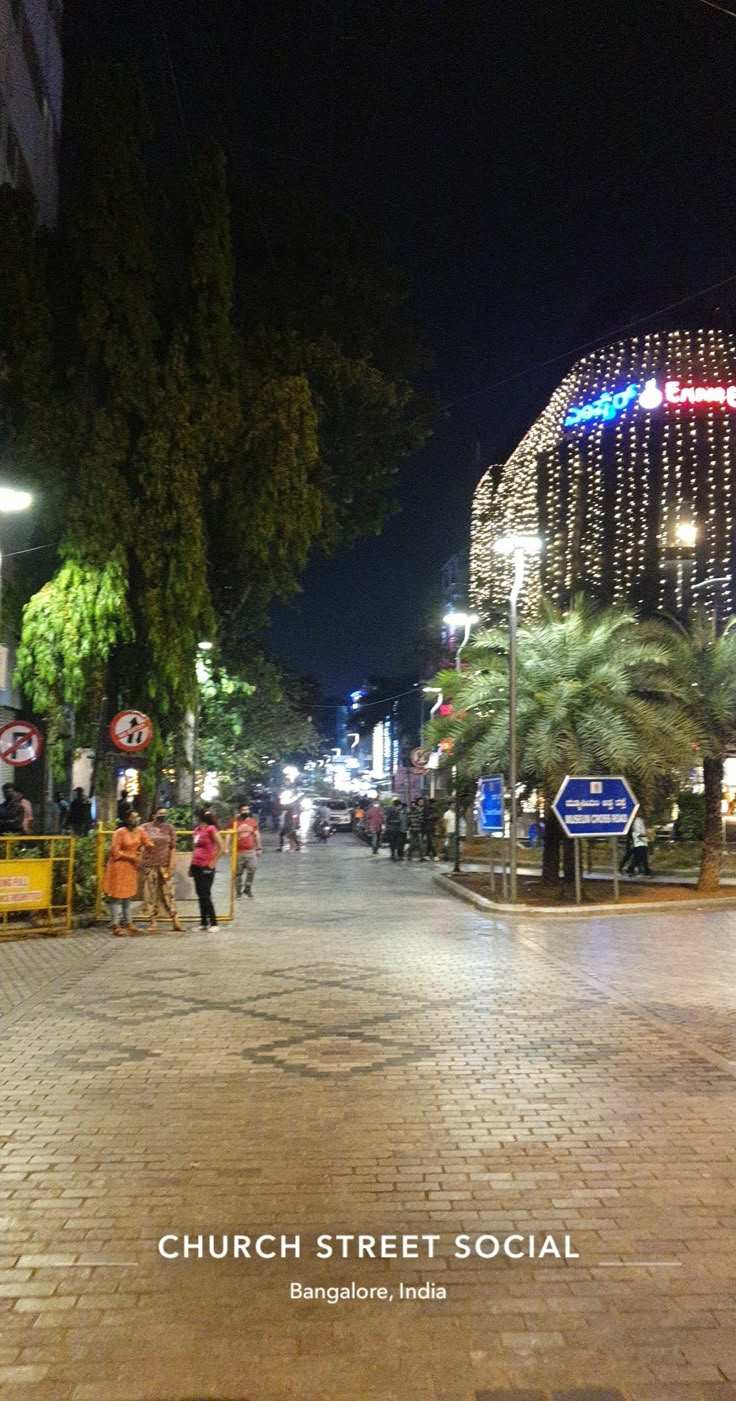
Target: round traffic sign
{"type": "Point", "coordinates": [20, 743]}
{"type": "Point", "coordinates": [131, 731]}
{"type": "Point", "coordinates": [420, 758]}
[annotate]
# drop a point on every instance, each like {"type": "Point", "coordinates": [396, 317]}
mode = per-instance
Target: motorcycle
{"type": "Point", "coordinates": [322, 829]}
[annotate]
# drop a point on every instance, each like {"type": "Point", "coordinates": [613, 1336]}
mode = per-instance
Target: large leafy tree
{"type": "Point", "coordinates": [595, 694]}
{"type": "Point", "coordinates": [247, 720]}
{"type": "Point", "coordinates": [208, 431]}
{"type": "Point", "coordinates": [702, 667]}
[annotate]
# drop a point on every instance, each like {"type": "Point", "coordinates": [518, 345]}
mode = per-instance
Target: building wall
{"type": "Point", "coordinates": [31, 83]}
{"type": "Point", "coordinates": [612, 483]}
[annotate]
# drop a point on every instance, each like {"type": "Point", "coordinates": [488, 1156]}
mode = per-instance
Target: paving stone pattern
{"type": "Point", "coordinates": [359, 1053]}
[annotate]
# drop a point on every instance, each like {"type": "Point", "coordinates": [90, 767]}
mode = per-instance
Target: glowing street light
{"type": "Point", "coordinates": [456, 621]}
{"type": "Point", "coordinates": [11, 502]}
{"type": "Point", "coordinates": [687, 534]}
{"type": "Point", "coordinates": [517, 547]}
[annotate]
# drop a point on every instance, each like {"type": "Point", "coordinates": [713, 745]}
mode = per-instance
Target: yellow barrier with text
{"type": "Point", "coordinates": [25, 885]}
{"type": "Point", "coordinates": [36, 879]}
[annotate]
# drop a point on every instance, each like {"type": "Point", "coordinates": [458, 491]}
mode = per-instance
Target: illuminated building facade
{"type": "Point", "coordinates": [628, 476]}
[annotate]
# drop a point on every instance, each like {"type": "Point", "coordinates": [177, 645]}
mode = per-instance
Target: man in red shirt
{"type": "Point", "coordinates": [248, 838]}
{"type": "Point", "coordinates": [373, 823]}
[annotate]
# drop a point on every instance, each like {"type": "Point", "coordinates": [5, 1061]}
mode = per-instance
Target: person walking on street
{"type": "Point", "coordinates": [248, 838]}
{"type": "Point", "coordinates": [207, 850]}
{"type": "Point", "coordinates": [641, 847]}
{"type": "Point", "coordinates": [448, 826]}
{"type": "Point", "coordinates": [429, 827]}
{"type": "Point", "coordinates": [374, 826]}
{"type": "Point", "coordinates": [627, 859]}
{"type": "Point", "coordinates": [120, 882]}
{"type": "Point", "coordinates": [403, 830]}
{"type": "Point", "coordinates": [157, 864]}
{"type": "Point", "coordinates": [416, 839]}
{"type": "Point", "coordinates": [290, 830]}
{"type": "Point", "coordinates": [393, 829]}
{"type": "Point", "coordinates": [80, 815]}
{"type": "Point", "coordinates": [12, 816]}
{"type": "Point", "coordinates": [27, 814]}
{"type": "Point", "coordinates": [124, 806]}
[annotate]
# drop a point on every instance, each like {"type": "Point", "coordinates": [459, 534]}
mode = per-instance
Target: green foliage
{"type": "Point", "coordinates": [702, 666]}
{"type": "Point", "coordinates": [594, 695]}
{"type": "Point", "coordinates": [195, 439]}
{"type": "Point", "coordinates": [69, 628]}
{"type": "Point", "coordinates": [84, 878]}
{"type": "Point", "coordinates": [691, 819]}
{"type": "Point", "coordinates": [245, 720]}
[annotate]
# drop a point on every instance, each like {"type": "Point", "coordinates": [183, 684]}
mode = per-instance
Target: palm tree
{"type": "Point", "coordinates": [703, 671]}
{"type": "Point", "coordinates": [595, 694]}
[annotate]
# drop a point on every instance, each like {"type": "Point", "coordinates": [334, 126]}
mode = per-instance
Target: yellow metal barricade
{"type": "Point", "coordinates": [184, 893]}
{"type": "Point", "coordinates": [36, 884]}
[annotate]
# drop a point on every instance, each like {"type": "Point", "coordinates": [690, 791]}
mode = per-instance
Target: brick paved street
{"type": "Point", "coordinates": [360, 1053]}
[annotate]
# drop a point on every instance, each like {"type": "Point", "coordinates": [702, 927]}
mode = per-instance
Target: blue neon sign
{"type": "Point", "coordinates": [606, 406]}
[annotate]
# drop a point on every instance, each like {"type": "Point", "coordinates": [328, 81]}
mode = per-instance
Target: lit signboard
{"type": "Point", "coordinates": [377, 749]}
{"type": "Point", "coordinates": [606, 406]}
{"type": "Point", "coordinates": [674, 395]}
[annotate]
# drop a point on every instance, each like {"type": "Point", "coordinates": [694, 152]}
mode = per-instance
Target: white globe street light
{"type": "Point", "coordinates": [12, 500]}
{"type": "Point", "coordinates": [517, 547]}
{"type": "Point", "coordinates": [456, 621]}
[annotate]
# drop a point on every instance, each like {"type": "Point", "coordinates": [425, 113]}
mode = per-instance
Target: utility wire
{"type": "Point", "coordinates": [722, 9]}
{"type": "Point", "coordinates": [590, 345]}
{"type": "Point", "coordinates": [367, 702]}
{"type": "Point", "coordinates": [10, 554]}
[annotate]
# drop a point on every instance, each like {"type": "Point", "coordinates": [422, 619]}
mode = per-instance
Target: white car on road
{"type": "Point", "coordinates": [341, 817]}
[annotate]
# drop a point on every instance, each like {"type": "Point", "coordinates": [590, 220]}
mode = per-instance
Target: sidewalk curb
{"type": "Point", "coordinates": [719, 902]}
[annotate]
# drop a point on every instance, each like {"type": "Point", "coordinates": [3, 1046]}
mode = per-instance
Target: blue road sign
{"type": "Point", "coordinates": [595, 806]}
{"type": "Point", "coordinates": [489, 805]}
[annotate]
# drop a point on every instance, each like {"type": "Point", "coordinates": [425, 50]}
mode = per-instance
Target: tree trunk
{"type": "Point", "coordinates": [710, 861]}
{"type": "Point", "coordinates": [551, 849]}
{"type": "Point", "coordinates": [185, 762]}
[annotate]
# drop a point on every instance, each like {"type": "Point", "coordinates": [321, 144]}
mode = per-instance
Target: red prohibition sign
{"type": "Point", "coordinates": [20, 743]}
{"type": "Point", "coordinates": [131, 731]}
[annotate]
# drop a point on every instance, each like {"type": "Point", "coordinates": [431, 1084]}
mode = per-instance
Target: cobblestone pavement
{"type": "Point", "coordinates": [360, 1053]}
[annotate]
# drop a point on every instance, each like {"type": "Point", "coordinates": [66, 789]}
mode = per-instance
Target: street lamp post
{"type": "Point", "coordinates": [464, 621]}
{"type": "Point", "coordinates": [517, 546]}
{"type": "Point", "coordinates": [433, 691]}
{"type": "Point", "coordinates": [204, 646]}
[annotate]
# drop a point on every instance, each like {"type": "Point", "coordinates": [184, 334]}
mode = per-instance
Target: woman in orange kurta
{"type": "Point", "coordinates": [121, 873]}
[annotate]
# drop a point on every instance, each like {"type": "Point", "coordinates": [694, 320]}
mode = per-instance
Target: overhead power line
{"type": "Point", "coordinates": [591, 345]}
{"type": "Point", "coordinates": [722, 9]}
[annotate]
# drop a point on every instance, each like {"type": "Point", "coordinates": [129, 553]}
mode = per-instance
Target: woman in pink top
{"type": "Point", "coordinates": [207, 850]}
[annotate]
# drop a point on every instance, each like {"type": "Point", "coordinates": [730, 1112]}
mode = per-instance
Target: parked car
{"type": "Point", "coordinates": [340, 815]}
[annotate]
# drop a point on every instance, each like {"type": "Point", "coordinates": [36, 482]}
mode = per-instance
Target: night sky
{"type": "Point", "coordinates": [546, 172]}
